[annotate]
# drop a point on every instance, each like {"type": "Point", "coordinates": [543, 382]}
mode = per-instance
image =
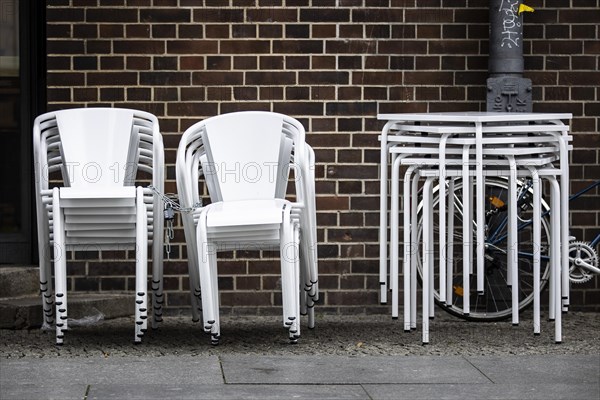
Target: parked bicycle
{"type": "Point", "coordinates": [495, 303]}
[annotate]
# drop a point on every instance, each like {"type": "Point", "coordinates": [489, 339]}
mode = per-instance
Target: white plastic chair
{"type": "Point", "coordinates": [245, 159]}
{"type": "Point", "coordinates": [101, 153]}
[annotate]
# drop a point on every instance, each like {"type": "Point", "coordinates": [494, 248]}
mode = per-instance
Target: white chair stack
{"type": "Point", "coordinates": [101, 153]}
{"type": "Point", "coordinates": [459, 148]}
{"type": "Point", "coordinates": [245, 159]}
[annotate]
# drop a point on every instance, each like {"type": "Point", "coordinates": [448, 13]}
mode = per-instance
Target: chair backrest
{"type": "Point", "coordinates": [98, 146]}
{"type": "Point", "coordinates": [247, 156]}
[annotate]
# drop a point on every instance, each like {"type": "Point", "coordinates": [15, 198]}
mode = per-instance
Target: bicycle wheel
{"type": "Point", "coordinates": [495, 303]}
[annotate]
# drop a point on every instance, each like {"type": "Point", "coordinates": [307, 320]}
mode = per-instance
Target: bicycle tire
{"type": "Point", "coordinates": [495, 304]}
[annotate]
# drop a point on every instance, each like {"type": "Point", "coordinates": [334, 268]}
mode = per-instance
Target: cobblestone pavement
{"type": "Point", "coordinates": [360, 335]}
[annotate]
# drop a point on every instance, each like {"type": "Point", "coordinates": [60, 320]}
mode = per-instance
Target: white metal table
{"type": "Point", "coordinates": [478, 123]}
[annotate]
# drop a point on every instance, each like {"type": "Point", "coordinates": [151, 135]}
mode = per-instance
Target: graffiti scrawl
{"type": "Point", "coordinates": [510, 23]}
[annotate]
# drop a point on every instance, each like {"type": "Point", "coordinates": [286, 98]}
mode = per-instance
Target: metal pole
{"type": "Point", "coordinates": [506, 87]}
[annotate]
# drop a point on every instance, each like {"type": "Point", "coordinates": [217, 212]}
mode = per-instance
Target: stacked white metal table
{"type": "Point", "coordinates": [470, 145]}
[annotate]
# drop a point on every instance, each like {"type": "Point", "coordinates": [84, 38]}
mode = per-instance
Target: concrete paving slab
{"type": "Point", "coordinates": [216, 392]}
{"type": "Point", "coordinates": [345, 370]}
{"type": "Point", "coordinates": [540, 369]}
{"type": "Point", "coordinates": [16, 281]}
{"type": "Point", "coordinates": [84, 309]}
{"type": "Point", "coordinates": [113, 370]}
{"type": "Point", "coordinates": [50, 391]}
{"type": "Point", "coordinates": [487, 391]}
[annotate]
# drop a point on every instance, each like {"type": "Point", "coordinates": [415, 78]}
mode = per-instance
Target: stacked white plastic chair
{"type": "Point", "coordinates": [441, 147]}
{"type": "Point", "coordinates": [245, 160]}
{"type": "Point", "coordinates": [100, 153]}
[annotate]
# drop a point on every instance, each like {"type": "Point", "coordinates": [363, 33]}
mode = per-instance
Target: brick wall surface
{"type": "Point", "coordinates": [332, 64]}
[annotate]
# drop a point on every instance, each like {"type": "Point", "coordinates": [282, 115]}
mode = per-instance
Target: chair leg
{"type": "Point", "coordinates": [204, 248]}
{"type": "Point", "coordinates": [307, 303]}
{"type": "Point", "coordinates": [296, 286]}
{"type": "Point", "coordinates": [305, 285]}
{"type": "Point", "coordinates": [141, 268]}
{"type": "Point", "coordinates": [46, 287]}
{"type": "Point", "coordinates": [196, 303]}
{"type": "Point", "coordinates": [195, 292]}
{"type": "Point", "coordinates": [308, 244]}
{"type": "Point", "coordinates": [60, 267]}
{"type": "Point", "coordinates": [216, 328]}
{"type": "Point", "coordinates": [287, 279]}
{"type": "Point", "coordinates": [312, 223]}
{"type": "Point", "coordinates": [158, 298]}
{"type": "Point", "coordinates": [157, 303]}
{"type": "Point", "coordinates": [290, 279]}
{"type": "Point", "coordinates": [45, 263]}
{"type": "Point", "coordinates": [196, 295]}
{"type": "Point", "coordinates": [307, 300]}
{"type": "Point", "coordinates": [311, 316]}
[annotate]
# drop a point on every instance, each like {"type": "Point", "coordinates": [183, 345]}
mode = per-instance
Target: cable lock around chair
{"type": "Point", "coordinates": [172, 205]}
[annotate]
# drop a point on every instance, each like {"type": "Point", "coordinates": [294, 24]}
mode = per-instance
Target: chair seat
{"type": "Point", "coordinates": [95, 218]}
{"type": "Point", "coordinates": [98, 211]}
{"type": "Point", "coordinates": [98, 197]}
{"type": "Point", "coordinates": [95, 222]}
{"type": "Point", "coordinates": [245, 212]}
{"type": "Point", "coordinates": [100, 192]}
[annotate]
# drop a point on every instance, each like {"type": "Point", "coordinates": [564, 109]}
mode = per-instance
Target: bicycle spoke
{"type": "Point", "coordinates": [491, 293]}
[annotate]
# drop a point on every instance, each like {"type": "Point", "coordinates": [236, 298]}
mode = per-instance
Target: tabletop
{"type": "Point", "coordinates": [474, 117]}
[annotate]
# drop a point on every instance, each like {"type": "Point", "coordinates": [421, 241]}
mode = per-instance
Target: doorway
{"type": "Point", "coordinates": [22, 97]}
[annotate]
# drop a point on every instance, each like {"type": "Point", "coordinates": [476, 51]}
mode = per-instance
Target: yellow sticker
{"type": "Point", "coordinates": [459, 291]}
{"type": "Point", "coordinates": [496, 202]}
{"type": "Point", "coordinates": [524, 8]}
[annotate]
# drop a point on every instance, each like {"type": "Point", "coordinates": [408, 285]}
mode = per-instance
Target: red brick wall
{"type": "Point", "coordinates": [333, 64]}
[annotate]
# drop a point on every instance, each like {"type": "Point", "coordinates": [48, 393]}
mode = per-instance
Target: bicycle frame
{"type": "Point", "coordinates": [525, 189]}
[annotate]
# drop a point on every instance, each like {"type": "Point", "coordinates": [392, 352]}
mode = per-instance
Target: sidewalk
{"type": "Point", "coordinates": [303, 377]}
{"type": "Point", "coordinates": [345, 357]}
